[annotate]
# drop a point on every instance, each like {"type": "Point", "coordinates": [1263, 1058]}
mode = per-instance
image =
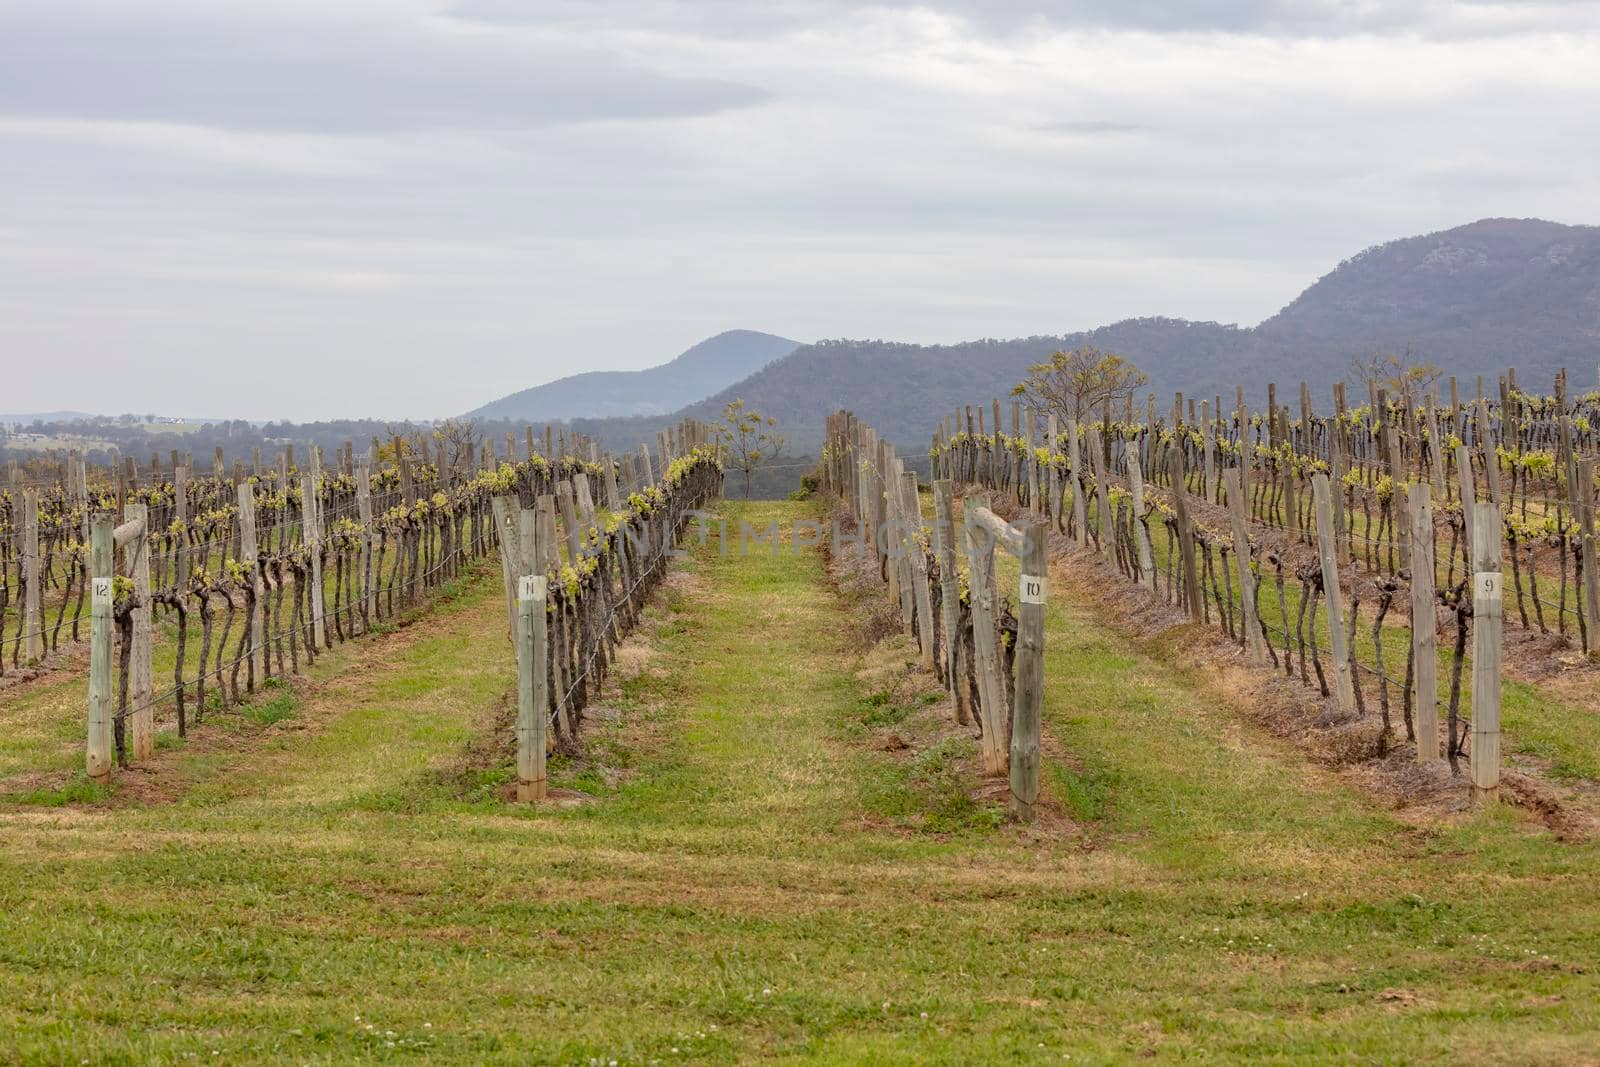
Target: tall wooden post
{"type": "Point", "coordinates": [33, 593]}
{"type": "Point", "coordinates": [1080, 511]}
{"type": "Point", "coordinates": [1254, 642]}
{"type": "Point", "coordinates": [141, 719]}
{"type": "Point", "coordinates": [533, 696]}
{"type": "Point", "coordinates": [911, 515]}
{"type": "Point", "coordinates": [1424, 654]}
{"type": "Point", "coordinates": [985, 643]}
{"type": "Point", "coordinates": [102, 692]}
{"type": "Point", "coordinates": [1025, 716]}
{"type": "Point", "coordinates": [1343, 676]}
{"type": "Point", "coordinates": [369, 581]}
{"type": "Point", "coordinates": [180, 503]}
{"type": "Point", "coordinates": [569, 519]}
{"type": "Point", "coordinates": [1488, 599]}
{"type": "Point", "coordinates": [250, 561]}
{"type": "Point", "coordinates": [949, 586]}
{"type": "Point", "coordinates": [311, 533]}
{"type": "Point", "coordinates": [1102, 493]}
{"type": "Point", "coordinates": [1141, 534]}
{"type": "Point", "coordinates": [1584, 507]}
{"type": "Point", "coordinates": [1193, 598]}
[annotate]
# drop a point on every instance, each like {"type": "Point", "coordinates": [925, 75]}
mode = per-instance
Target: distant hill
{"type": "Point", "coordinates": [704, 369]}
{"type": "Point", "coordinates": [1473, 299]}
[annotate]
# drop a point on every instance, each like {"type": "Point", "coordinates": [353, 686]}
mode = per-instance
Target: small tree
{"type": "Point", "coordinates": [459, 440]}
{"type": "Point", "coordinates": [748, 439]}
{"type": "Point", "coordinates": [1073, 384]}
{"type": "Point", "coordinates": [1404, 376]}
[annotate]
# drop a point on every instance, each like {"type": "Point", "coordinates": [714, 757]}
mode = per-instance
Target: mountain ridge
{"type": "Point", "coordinates": [705, 367]}
{"type": "Point", "coordinates": [1473, 299]}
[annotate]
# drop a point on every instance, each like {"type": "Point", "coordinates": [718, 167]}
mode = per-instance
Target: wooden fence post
{"type": "Point", "coordinates": [369, 581]}
{"type": "Point", "coordinates": [1469, 493]}
{"type": "Point", "coordinates": [180, 504]}
{"type": "Point", "coordinates": [141, 719]}
{"type": "Point", "coordinates": [1343, 676]}
{"type": "Point", "coordinates": [949, 586]}
{"type": "Point", "coordinates": [1102, 493]}
{"type": "Point", "coordinates": [33, 594]}
{"type": "Point", "coordinates": [1425, 663]}
{"type": "Point", "coordinates": [985, 643]}
{"type": "Point", "coordinates": [1141, 533]}
{"type": "Point", "coordinates": [1488, 599]}
{"type": "Point", "coordinates": [1080, 511]}
{"type": "Point", "coordinates": [1025, 720]}
{"type": "Point", "coordinates": [1584, 506]}
{"type": "Point", "coordinates": [911, 514]}
{"type": "Point", "coordinates": [533, 696]}
{"type": "Point", "coordinates": [102, 691]}
{"type": "Point", "coordinates": [311, 535]}
{"type": "Point", "coordinates": [569, 519]}
{"type": "Point", "coordinates": [1193, 596]}
{"type": "Point", "coordinates": [1254, 644]}
{"type": "Point", "coordinates": [509, 536]}
{"type": "Point", "coordinates": [248, 553]}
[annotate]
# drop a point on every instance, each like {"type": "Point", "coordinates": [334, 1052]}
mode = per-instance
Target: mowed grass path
{"type": "Point", "coordinates": [742, 896]}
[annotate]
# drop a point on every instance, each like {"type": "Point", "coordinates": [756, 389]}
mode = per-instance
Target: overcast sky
{"type": "Point", "coordinates": [325, 208]}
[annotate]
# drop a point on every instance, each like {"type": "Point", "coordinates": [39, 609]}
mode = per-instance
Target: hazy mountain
{"type": "Point", "coordinates": [707, 367]}
{"type": "Point", "coordinates": [1473, 299]}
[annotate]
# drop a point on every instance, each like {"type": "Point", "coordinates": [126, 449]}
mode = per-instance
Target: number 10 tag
{"type": "Point", "coordinates": [1032, 589]}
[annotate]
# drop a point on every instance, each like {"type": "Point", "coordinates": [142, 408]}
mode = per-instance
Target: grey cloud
{"type": "Point", "coordinates": [1289, 18]}
{"type": "Point", "coordinates": [1090, 127]}
{"type": "Point", "coordinates": [321, 75]}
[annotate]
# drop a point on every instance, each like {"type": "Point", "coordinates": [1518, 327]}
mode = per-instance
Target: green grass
{"type": "Point", "coordinates": [334, 898]}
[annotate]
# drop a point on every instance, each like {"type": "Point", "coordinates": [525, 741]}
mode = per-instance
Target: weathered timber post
{"type": "Point", "coordinates": [369, 581]}
{"type": "Point", "coordinates": [944, 547]}
{"type": "Point", "coordinates": [102, 691]}
{"type": "Point", "coordinates": [33, 593]}
{"type": "Point", "coordinates": [508, 534]}
{"type": "Point", "coordinates": [569, 519]}
{"type": "Point", "coordinates": [141, 718]}
{"type": "Point", "coordinates": [1424, 655]}
{"type": "Point", "coordinates": [1025, 719]}
{"type": "Point", "coordinates": [1193, 597]}
{"type": "Point", "coordinates": [912, 516]}
{"type": "Point", "coordinates": [1102, 493]}
{"type": "Point", "coordinates": [1487, 602]}
{"type": "Point", "coordinates": [1141, 533]}
{"type": "Point", "coordinates": [1333, 599]}
{"type": "Point", "coordinates": [533, 696]}
{"type": "Point", "coordinates": [985, 644]}
{"type": "Point", "coordinates": [180, 502]}
{"type": "Point", "coordinates": [1080, 511]}
{"type": "Point", "coordinates": [311, 534]}
{"type": "Point", "coordinates": [1469, 492]}
{"type": "Point", "coordinates": [1254, 643]}
{"type": "Point", "coordinates": [1584, 506]}
{"type": "Point", "coordinates": [250, 561]}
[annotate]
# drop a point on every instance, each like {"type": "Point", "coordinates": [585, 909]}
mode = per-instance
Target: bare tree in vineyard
{"type": "Point", "coordinates": [1403, 376]}
{"type": "Point", "coordinates": [748, 439]}
{"type": "Point", "coordinates": [1078, 383]}
{"type": "Point", "coordinates": [459, 439]}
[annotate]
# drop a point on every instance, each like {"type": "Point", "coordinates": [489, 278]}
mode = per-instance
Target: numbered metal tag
{"type": "Point", "coordinates": [1486, 585]}
{"type": "Point", "coordinates": [1032, 589]}
{"type": "Point", "coordinates": [530, 587]}
{"type": "Point", "coordinates": [101, 592]}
